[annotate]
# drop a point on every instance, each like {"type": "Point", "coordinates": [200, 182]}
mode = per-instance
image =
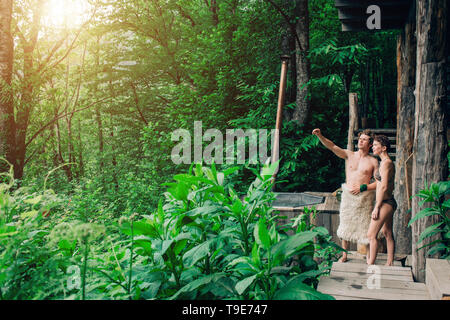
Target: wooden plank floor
{"type": "Point", "coordinates": [354, 280]}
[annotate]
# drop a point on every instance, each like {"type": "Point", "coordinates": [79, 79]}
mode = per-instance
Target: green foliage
{"type": "Point", "coordinates": [207, 243]}
{"type": "Point", "coordinates": [202, 242]}
{"type": "Point", "coordinates": [435, 195]}
{"type": "Point", "coordinates": [99, 103]}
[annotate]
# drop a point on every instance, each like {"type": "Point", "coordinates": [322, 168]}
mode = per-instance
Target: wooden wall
{"type": "Point", "coordinates": [430, 132]}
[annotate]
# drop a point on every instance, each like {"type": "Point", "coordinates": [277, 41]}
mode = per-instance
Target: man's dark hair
{"type": "Point", "coordinates": [367, 132]}
{"type": "Point", "coordinates": [384, 141]}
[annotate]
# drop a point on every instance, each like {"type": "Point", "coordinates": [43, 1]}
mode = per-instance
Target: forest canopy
{"type": "Point", "coordinates": [98, 86]}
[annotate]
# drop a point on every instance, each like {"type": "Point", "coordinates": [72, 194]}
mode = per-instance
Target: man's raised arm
{"type": "Point", "coordinates": [341, 153]}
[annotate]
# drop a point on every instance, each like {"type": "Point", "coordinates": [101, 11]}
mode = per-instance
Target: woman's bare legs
{"type": "Point", "coordinates": [384, 220]}
{"type": "Point", "coordinates": [388, 234]}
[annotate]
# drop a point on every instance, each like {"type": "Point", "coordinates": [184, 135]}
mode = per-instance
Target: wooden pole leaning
{"type": "Point", "coordinates": [353, 119]}
{"type": "Point", "coordinates": [281, 94]}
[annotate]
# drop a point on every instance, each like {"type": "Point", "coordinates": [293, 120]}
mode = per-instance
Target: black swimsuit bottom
{"type": "Point", "coordinates": [390, 201]}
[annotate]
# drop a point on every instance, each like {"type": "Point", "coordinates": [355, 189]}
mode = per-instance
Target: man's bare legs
{"type": "Point", "coordinates": [384, 220]}
{"type": "Point", "coordinates": [345, 245]}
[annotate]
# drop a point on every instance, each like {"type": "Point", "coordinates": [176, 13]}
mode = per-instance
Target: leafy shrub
{"type": "Point", "coordinates": [435, 195]}
{"type": "Point", "coordinates": [205, 242]}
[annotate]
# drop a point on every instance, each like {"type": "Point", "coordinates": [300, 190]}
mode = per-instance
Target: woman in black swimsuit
{"type": "Point", "coordinates": [385, 203]}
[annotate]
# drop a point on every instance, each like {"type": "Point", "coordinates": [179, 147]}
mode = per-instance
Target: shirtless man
{"type": "Point", "coordinates": [358, 194]}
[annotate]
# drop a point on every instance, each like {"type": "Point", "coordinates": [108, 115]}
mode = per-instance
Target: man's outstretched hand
{"type": "Point", "coordinates": [316, 132]}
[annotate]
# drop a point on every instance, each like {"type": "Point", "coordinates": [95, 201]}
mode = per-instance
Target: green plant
{"type": "Point", "coordinates": [206, 242]}
{"type": "Point", "coordinates": [435, 195]}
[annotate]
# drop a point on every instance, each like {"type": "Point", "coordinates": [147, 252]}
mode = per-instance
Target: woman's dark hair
{"type": "Point", "coordinates": [384, 141]}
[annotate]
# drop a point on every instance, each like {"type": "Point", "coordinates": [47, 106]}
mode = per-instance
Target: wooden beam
{"type": "Point", "coordinates": [365, 3]}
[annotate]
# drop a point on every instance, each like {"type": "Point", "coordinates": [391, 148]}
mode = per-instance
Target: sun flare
{"type": "Point", "coordinates": [65, 13]}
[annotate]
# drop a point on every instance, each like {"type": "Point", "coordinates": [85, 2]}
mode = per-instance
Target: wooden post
{"type": "Point", "coordinates": [281, 94]}
{"type": "Point", "coordinates": [353, 119]}
{"type": "Point", "coordinates": [406, 80]}
{"type": "Point", "coordinates": [430, 143]}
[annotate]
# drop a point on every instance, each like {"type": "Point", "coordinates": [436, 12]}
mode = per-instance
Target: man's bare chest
{"type": "Point", "coordinates": [362, 166]}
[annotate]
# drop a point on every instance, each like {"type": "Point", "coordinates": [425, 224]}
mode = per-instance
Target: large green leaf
{"type": "Point", "coordinates": [197, 253]}
{"type": "Point", "coordinates": [204, 210]}
{"type": "Point", "coordinates": [198, 283]}
{"type": "Point", "coordinates": [443, 188]}
{"type": "Point", "coordinates": [161, 246]}
{"type": "Point", "coordinates": [255, 255]}
{"type": "Point", "coordinates": [143, 227]}
{"type": "Point", "coordinates": [297, 290]}
{"type": "Point", "coordinates": [440, 247]}
{"type": "Point", "coordinates": [230, 171]}
{"type": "Point", "coordinates": [290, 246]}
{"type": "Point", "coordinates": [242, 285]}
{"type": "Point", "coordinates": [430, 231]}
{"type": "Point", "coordinates": [261, 234]}
{"type": "Point", "coordinates": [179, 246]}
{"type": "Point", "coordinates": [424, 213]}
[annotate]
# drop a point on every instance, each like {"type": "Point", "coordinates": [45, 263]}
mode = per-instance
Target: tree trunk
{"type": "Point", "coordinates": [7, 124]}
{"type": "Point", "coordinates": [288, 49]}
{"type": "Point", "coordinates": [80, 171]}
{"type": "Point", "coordinates": [98, 116]}
{"type": "Point", "coordinates": [430, 145]}
{"type": "Point", "coordinates": [23, 114]}
{"type": "Point", "coordinates": [406, 79]}
{"type": "Point", "coordinates": [302, 62]}
{"type": "Point", "coordinates": [30, 78]}
{"type": "Point", "coordinates": [113, 152]}
{"type": "Point", "coordinates": [214, 8]}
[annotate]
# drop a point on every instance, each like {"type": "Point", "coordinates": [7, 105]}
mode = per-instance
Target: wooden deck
{"type": "Point", "coordinates": [354, 280]}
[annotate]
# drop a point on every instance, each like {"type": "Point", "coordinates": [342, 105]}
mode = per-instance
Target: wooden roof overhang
{"type": "Point", "coordinates": [353, 13]}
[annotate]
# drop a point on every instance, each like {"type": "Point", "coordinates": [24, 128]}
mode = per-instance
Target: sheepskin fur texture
{"type": "Point", "coordinates": [355, 213]}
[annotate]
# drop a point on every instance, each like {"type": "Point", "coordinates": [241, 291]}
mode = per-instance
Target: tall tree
{"type": "Point", "coordinates": [298, 23]}
{"type": "Point", "coordinates": [301, 59]}
{"type": "Point", "coordinates": [6, 67]}
{"type": "Point", "coordinates": [36, 67]}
